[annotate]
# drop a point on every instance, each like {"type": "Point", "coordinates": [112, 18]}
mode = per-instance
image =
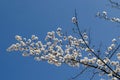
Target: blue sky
{"type": "Point", "coordinates": [27, 17]}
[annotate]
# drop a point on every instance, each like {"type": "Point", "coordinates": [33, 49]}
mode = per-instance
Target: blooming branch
{"type": "Point", "coordinates": [104, 16]}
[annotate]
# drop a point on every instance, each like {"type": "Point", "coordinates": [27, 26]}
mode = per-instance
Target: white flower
{"type": "Point", "coordinates": [104, 13]}
{"type": "Point", "coordinates": [113, 45]}
{"type": "Point", "coordinates": [114, 63]}
{"type": "Point", "coordinates": [48, 43]}
{"type": "Point", "coordinates": [22, 43]}
{"type": "Point", "coordinates": [118, 56]}
{"type": "Point", "coordinates": [70, 37]}
{"type": "Point", "coordinates": [25, 54]}
{"type": "Point", "coordinates": [37, 58]}
{"type": "Point", "coordinates": [110, 75]}
{"type": "Point", "coordinates": [67, 56]}
{"type": "Point", "coordinates": [17, 37]}
{"type": "Point", "coordinates": [29, 41]}
{"type": "Point", "coordinates": [117, 69]}
{"type": "Point", "coordinates": [31, 52]}
{"type": "Point", "coordinates": [114, 40]}
{"type": "Point", "coordinates": [106, 60]}
{"type": "Point", "coordinates": [58, 64]}
{"type": "Point", "coordinates": [118, 19]}
{"type": "Point", "coordinates": [94, 58]}
{"type": "Point", "coordinates": [85, 60]}
{"type": "Point", "coordinates": [56, 40]}
{"type": "Point", "coordinates": [100, 63]}
{"type": "Point", "coordinates": [59, 29]}
{"type": "Point", "coordinates": [50, 62]}
{"type": "Point", "coordinates": [64, 38]}
{"type": "Point", "coordinates": [92, 61]}
{"type": "Point", "coordinates": [33, 37]}
{"type": "Point", "coordinates": [37, 51]}
{"type": "Point", "coordinates": [85, 37]}
{"type": "Point", "coordinates": [107, 52]}
{"type": "Point", "coordinates": [74, 20]}
{"type": "Point", "coordinates": [87, 50]}
{"type": "Point", "coordinates": [110, 48]}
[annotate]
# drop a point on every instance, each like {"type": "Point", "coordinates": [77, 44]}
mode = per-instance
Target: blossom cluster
{"type": "Point", "coordinates": [60, 48]}
{"type": "Point", "coordinates": [105, 16]}
{"type": "Point", "coordinates": [63, 49]}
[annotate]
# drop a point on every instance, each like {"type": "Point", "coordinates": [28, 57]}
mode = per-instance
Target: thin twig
{"type": "Point", "coordinates": [115, 74]}
{"type": "Point", "coordinates": [80, 73]}
{"type": "Point", "coordinates": [114, 51]}
{"type": "Point", "coordinates": [93, 75]}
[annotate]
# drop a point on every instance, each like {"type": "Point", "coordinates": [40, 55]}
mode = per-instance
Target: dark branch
{"type": "Point", "coordinates": [114, 73]}
{"type": "Point", "coordinates": [114, 51]}
{"type": "Point", "coordinates": [115, 4]}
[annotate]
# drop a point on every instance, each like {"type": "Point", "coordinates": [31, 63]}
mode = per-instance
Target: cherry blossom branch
{"type": "Point", "coordinates": [74, 19]}
{"type": "Point", "coordinates": [59, 49]}
{"type": "Point", "coordinates": [115, 4]}
{"type": "Point", "coordinates": [114, 51]}
{"type": "Point", "coordinates": [97, 67]}
{"type": "Point", "coordinates": [104, 16]}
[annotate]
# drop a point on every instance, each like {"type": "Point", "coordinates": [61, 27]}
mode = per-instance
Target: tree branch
{"type": "Point", "coordinates": [114, 73]}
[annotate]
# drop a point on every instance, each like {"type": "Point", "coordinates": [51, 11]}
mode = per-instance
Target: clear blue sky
{"type": "Point", "coordinates": [27, 17]}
